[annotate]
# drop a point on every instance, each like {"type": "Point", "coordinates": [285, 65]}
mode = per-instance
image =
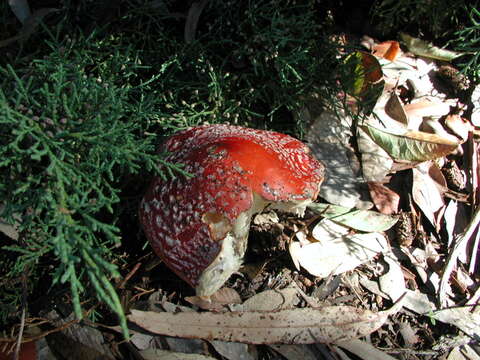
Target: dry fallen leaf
{"type": "Point", "coordinates": [295, 352]}
{"type": "Point", "coordinates": [427, 106]}
{"type": "Point", "coordinates": [475, 118]}
{"type": "Point", "coordinates": [462, 317]}
{"type": "Point", "coordinates": [385, 200]}
{"type": "Point", "coordinates": [422, 48]}
{"type": "Point", "coordinates": [464, 352]}
{"type": "Point", "coordinates": [223, 296]}
{"type": "Point", "coordinates": [411, 145]}
{"type": "Point", "coordinates": [409, 335]}
{"type": "Point", "coordinates": [329, 138]}
{"type": "Point", "coordinates": [336, 251]}
{"type": "Point", "coordinates": [364, 350]}
{"type": "Point", "coordinates": [270, 300]}
{"type": "Point", "coordinates": [363, 220]}
{"type": "Point", "coordinates": [392, 283]}
{"type": "Point", "coordinates": [376, 163]}
{"type": "Point", "coordinates": [389, 50]}
{"type": "Point", "coordinates": [10, 230]}
{"type": "Point", "coordinates": [459, 126]}
{"type": "Point", "coordinates": [426, 194]}
{"type": "Point", "coordinates": [234, 350]}
{"type": "Point", "coordinates": [297, 326]}
{"type": "Point", "coordinates": [395, 109]}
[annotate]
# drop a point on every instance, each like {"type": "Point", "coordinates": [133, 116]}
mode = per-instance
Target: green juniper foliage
{"type": "Point", "coordinates": [69, 135]}
{"type": "Point", "coordinates": [467, 40]}
{"type": "Point", "coordinates": [437, 18]}
{"type": "Point", "coordinates": [81, 113]}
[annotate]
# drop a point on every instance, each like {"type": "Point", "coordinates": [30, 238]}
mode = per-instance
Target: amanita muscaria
{"type": "Point", "coordinates": [199, 225]}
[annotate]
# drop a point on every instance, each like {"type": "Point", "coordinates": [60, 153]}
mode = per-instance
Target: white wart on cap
{"type": "Point", "coordinates": [199, 225]}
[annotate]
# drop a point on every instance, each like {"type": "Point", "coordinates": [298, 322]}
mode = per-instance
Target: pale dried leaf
{"type": "Point", "coordinates": [395, 109]}
{"type": "Point", "coordinates": [363, 220]}
{"type": "Point", "coordinates": [295, 352]}
{"type": "Point", "coordinates": [8, 229]}
{"type": "Point", "coordinates": [233, 350]}
{"type": "Point", "coordinates": [298, 326]}
{"type": "Point", "coordinates": [338, 255]}
{"type": "Point", "coordinates": [158, 354]}
{"type": "Point", "coordinates": [475, 118]}
{"type": "Point", "coordinates": [464, 352]}
{"type": "Point", "coordinates": [142, 341]}
{"type": "Point", "coordinates": [392, 283]}
{"type": "Point", "coordinates": [461, 317]}
{"type": "Point", "coordinates": [409, 335]}
{"type": "Point", "coordinates": [385, 199]}
{"type": "Point", "coordinates": [189, 346]}
{"type": "Point", "coordinates": [434, 126]}
{"type": "Point", "coordinates": [426, 194]}
{"type": "Point", "coordinates": [328, 139]}
{"type": "Point", "coordinates": [458, 247]}
{"type": "Point", "coordinates": [422, 48]}
{"type": "Point", "coordinates": [389, 50]}
{"type": "Point", "coordinates": [216, 301]}
{"type": "Point", "coordinates": [427, 106]}
{"type": "Point", "coordinates": [418, 258]}
{"type": "Point", "coordinates": [409, 72]}
{"type": "Point", "coordinates": [270, 300]}
{"type": "Point", "coordinates": [327, 230]}
{"type": "Point", "coordinates": [364, 350]}
{"type": "Point", "coordinates": [376, 163]}
{"type": "Point", "coordinates": [456, 220]}
{"type": "Point", "coordinates": [459, 126]}
{"type": "Point", "coordinates": [411, 145]}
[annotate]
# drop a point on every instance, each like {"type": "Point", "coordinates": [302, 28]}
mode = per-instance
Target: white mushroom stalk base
{"type": "Point", "coordinates": [235, 242]}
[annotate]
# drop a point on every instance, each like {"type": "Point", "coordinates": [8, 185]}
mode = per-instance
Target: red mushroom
{"type": "Point", "coordinates": [199, 225]}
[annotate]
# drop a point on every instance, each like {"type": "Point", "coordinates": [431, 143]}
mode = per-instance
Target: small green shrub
{"type": "Point", "coordinates": [81, 113]}
{"type": "Point", "coordinates": [467, 40]}
{"type": "Point", "coordinates": [434, 18]}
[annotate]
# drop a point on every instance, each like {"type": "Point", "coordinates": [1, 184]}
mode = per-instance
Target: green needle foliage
{"type": "Point", "coordinates": [467, 40]}
{"type": "Point", "coordinates": [72, 129]}
{"type": "Point", "coordinates": [81, 114]}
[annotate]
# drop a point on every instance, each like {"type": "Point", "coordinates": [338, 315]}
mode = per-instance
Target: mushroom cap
{"type": "Point", "coordinates": [199, 225]}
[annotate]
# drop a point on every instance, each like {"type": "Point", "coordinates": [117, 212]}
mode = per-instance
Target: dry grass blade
{"type": "Point", "coordinates": [298, 326]}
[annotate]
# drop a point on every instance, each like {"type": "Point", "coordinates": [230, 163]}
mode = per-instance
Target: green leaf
{"type": "Point", "coordinates": [411, 145]}
{"type": "Point", "coordinates": [363, 220]}
{"type": "Point", "coordinates": [422, 48]}
{"type": "Point", "coordinates": [364, 72]}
